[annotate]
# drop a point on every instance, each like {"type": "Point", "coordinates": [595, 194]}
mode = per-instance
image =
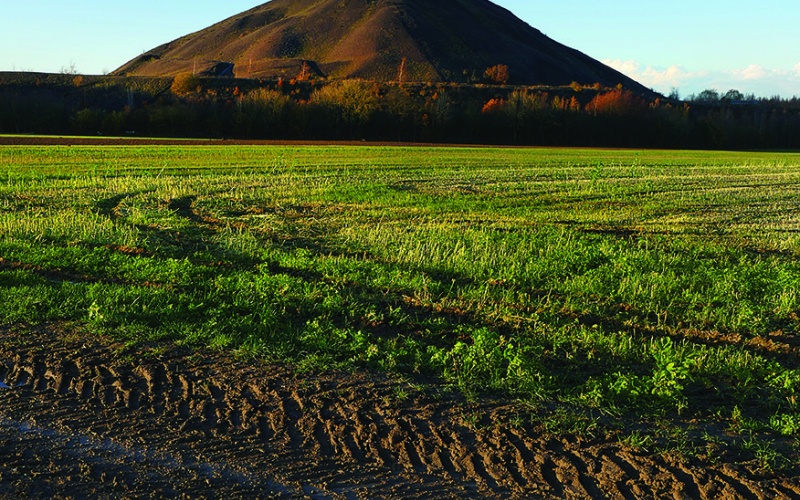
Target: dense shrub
{"type": "Point", "coordinates": [185, 84]}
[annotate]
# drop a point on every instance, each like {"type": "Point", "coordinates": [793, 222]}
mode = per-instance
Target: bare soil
{"type": "Point", "coordinates": [85, 416]}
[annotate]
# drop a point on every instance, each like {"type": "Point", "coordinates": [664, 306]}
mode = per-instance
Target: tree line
{"type": "Point", "coordinates": [574, 115]}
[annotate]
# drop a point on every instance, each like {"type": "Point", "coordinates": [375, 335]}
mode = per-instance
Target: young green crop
{"type": "Point", "coordinates": [650, 284]}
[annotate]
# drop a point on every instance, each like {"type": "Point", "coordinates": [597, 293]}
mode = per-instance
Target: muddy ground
{"type": "Point", "coordinates": [84, 416]}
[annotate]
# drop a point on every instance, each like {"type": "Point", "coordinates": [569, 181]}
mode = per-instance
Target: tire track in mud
{"type": "Point", "coordinates": [244, 427]}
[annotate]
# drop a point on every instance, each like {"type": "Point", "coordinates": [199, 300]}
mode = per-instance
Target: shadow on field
{"type": "Point", "coordinates": [192, 242]}
{"type": "Point", "coordinates": [419, 318]}
{"type": "Point", "coordinates": [197, 243]}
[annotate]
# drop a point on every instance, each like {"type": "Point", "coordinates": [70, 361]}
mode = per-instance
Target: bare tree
{"type": "Point", "coordinates": [402, 73]}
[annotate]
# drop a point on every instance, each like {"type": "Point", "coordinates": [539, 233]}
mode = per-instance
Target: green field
{"type": "Point", "coordinates": [653, 295]}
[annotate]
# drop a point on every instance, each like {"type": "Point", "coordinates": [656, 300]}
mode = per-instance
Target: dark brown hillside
{"type": "Point", "coordinates": [445, 40]}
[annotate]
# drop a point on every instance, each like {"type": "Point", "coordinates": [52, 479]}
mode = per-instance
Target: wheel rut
{"type": "Point", "coordinates": [119, 421]}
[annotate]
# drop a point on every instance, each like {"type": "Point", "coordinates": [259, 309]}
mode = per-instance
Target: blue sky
{"type": "Point", "coordinates": [688, 45]}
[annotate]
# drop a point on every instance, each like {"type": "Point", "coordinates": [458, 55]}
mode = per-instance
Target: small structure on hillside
{"type": "Point", "coordinates": [220, 70]}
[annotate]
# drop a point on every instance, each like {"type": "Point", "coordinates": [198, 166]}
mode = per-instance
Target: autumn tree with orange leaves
{"type": "Point", "coordinates": [616, 102]}
{"type": "Point", "coordinates": [497, 74]}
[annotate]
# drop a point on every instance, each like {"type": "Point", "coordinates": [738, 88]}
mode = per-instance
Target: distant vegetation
{"type": "Point", "coordinates": [574, 115]}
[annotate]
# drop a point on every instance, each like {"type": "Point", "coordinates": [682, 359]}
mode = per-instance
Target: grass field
{"type": "Point", "coordinates": [652, 295]}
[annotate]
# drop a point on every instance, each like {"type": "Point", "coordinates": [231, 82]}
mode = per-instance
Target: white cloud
{"type": "Point", "coordinates": [662, 79]}
{"type": "Point", "coordinates": [753, 79]}
{"type": "Point", "coordinates": [752, 72]}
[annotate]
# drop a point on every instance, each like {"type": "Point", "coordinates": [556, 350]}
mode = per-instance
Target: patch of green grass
{"type": "Point", "coordinates": [637, 440]}
{"type": "Point", "coordinates": [766, 454]}
{"type": "Point", "coordinates": [566, 420]}
{"type": "Point", "coordinates": [635, 285]}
